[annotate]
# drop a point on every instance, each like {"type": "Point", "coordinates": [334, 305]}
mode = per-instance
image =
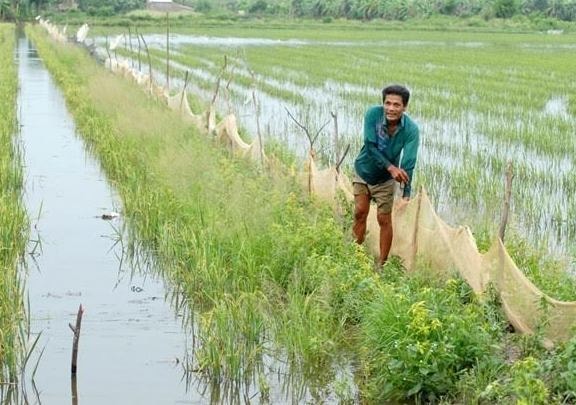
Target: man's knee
{"type": "Point", "coordinates": [361, 207]}
{"type": "Point", "coordinates": [361, 213]}
{"type": "Point", "coordinates": [384, 220]}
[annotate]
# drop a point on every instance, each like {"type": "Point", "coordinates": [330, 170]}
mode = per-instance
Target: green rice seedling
{"type": "Point", "coordinates": [232, 340]}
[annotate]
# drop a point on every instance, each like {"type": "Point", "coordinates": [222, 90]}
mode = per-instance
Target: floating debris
{"type": "Point", "coordinates": [109, 215]}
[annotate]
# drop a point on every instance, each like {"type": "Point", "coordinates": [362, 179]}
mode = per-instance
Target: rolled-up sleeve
{"type": "Point", "coordinates": [409, 157]}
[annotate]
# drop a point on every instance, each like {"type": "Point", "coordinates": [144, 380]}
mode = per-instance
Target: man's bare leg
{"type": "Point", "coordinates": [361, 209]}
{"type": "Point", "coordinates": [385, 222]}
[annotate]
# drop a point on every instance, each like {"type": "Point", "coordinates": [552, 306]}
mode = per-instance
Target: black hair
{"type": "Point", "coordinates": [397, 89]}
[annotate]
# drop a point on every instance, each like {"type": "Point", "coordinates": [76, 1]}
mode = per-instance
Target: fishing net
{"type": "Point", "coordinates": [227, 133]}
{"type": "Point", "coordinates": [179, 102]}
{"type": "Point", "coordinates": [420, 235]}
{"type": "Point", "coordinates": [53, 30]}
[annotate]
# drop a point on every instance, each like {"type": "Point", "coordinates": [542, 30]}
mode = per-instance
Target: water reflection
{"type": "Point", "coordinates": [557, 107]}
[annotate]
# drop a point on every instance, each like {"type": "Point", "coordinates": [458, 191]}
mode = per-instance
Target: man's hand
{"type": "Point", "coordinates": [398, 174]}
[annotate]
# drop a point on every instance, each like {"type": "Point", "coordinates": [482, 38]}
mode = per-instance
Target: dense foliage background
{"type": "Point", "coordinates": [393, 9]}
{"type": "Point", "coordinates": [326, 9]}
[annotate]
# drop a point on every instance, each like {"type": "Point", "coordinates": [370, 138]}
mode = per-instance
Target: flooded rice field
{"type": "Point", "coordinates": [466, 138]}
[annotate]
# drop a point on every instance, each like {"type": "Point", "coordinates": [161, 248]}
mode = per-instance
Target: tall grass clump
{"type": "Point", "coordinates": [13, 220]}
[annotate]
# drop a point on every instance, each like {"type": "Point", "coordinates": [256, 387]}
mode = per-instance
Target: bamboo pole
{"type": "Point", "coordinates": [139, 51]}
{"type": "Point", "coordinates": [507, 196]}
{"type": "Point", "coordinates": [336, 135]}
{"type": "Point", "coordinates": [130, 44]}
{"type": "Point", "coordinates": [184, 90]}
{"type": "Point", "coordinates": [149, 62]}
{"type": "Point", "coordinates": [167, 52]}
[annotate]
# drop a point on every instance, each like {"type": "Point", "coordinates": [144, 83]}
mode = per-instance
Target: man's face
{"type": "Point", "coordinates": [393, 107]}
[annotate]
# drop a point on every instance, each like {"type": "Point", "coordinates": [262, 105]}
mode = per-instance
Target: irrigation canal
{"type": "Point", "coordinates": [131, 342]}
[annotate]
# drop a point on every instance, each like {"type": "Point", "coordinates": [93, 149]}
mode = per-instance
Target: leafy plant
{"type": "Point", "coordinates": [420, 339]}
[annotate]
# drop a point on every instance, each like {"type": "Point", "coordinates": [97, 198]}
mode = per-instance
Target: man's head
{"type": "Point", "coordinates": [395, 99]}
{"type": "Point", "coordinates": [398, 90]}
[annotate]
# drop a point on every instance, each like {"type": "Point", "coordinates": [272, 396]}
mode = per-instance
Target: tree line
{"type": "Point", "coordinates": [401, 10]}
{"type": "Point", "coordinates": [391, 9]}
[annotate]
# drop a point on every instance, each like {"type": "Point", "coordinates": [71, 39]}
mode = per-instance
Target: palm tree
{"type": "Point", "coordinates": [12, 10]}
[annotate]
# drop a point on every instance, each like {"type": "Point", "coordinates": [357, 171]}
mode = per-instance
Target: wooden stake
{"type": "Point", "coordinates": [108, 52]}
{"type": "Point", "coordinates": [311, 138]}
{"type": "Point", "coordinates": [507, 196]}
{"type": "Point", "coordinates": [341, 158]}
{"type": "Point", "coordinates": [217, 89]}
{"type": "Point", "coordinates": [149, 61]}
{"type": "Point", "coordinates": [139, 50]}
{"type": "Point", "coordinates": [336, 135]}
{"type": "Point", "coordinates": [184, 90]}
{"type": "Point", "coordinates": [167, 52]}
{"type": "Point", "coordinates": [76, 331]}
{"type": "Point", "coordinates": [257, 111]}
{"type": "Point", "coordinates": [74, 389]}
{"type": "Point", "coordinates": [130, 43]}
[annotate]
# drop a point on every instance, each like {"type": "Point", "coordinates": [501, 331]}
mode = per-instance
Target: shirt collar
{"type": "Point", "coordinates": [400, 125]}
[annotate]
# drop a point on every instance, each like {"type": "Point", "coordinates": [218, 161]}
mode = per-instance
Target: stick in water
{"type": "Point", "coordinates": [76, 331]}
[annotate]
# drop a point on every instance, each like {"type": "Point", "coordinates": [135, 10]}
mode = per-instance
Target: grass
{"type": "Point", "coordinates": [265, 273]}
{"type": "Point", "coordinates": [13, 220]}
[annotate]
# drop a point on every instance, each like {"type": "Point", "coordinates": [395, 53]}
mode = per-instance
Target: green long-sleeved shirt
{"type": "Point", "coordinates": [382, 149]}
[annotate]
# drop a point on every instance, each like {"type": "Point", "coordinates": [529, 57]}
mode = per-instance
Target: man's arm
{"type": "Point", "coordinates": [409, 158]}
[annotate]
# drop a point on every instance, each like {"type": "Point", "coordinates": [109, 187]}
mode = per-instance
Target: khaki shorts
{"type": "Point", "coordinates": [382, 193]}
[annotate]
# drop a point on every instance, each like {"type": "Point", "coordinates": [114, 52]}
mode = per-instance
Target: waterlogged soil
{"type": "Point", "coordinates": [131, 343]}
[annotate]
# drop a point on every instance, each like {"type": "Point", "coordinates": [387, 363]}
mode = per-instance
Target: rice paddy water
{"type": "Point", "coordinates": [131, 343]}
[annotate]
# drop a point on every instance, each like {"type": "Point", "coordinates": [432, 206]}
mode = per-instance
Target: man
{"type": "Point", "coordinates": [388, 133]}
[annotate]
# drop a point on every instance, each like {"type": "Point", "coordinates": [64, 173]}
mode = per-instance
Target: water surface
{"type": "Point", "coordinates": [131, 343]}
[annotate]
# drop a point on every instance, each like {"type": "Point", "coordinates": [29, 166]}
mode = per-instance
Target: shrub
{"type": "Point", "coordinates": [419, 340]}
